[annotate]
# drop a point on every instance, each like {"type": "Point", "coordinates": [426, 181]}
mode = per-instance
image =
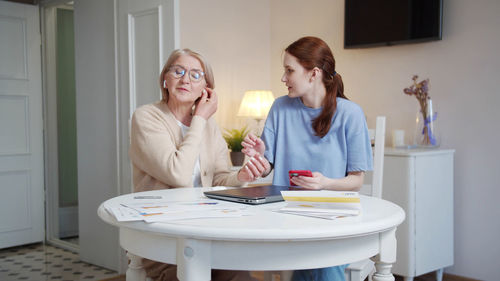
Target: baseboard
{"type": "Point", "coordinates": [431, 276]}
{"type": "Point", "coordinates": [451, 277]}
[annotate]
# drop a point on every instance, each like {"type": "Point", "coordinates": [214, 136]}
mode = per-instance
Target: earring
{"type": "Point", "coordinates": [165, 84]}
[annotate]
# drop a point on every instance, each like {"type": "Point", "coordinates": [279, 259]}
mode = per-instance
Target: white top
{"type": "Point", "coordinates": [196, 170]}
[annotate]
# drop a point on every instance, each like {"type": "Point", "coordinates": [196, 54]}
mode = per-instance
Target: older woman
{"type": "Point", "coordinates": [176, 143]}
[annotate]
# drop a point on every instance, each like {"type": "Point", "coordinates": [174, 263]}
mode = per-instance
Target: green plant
{"type": "Point", "coordinates": [234, 137]}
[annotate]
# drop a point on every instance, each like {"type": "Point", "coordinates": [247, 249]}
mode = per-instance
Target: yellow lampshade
{"type": "Point", "coordinates": [256, 104]}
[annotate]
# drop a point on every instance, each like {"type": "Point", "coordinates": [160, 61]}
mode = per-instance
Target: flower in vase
{"type": "Point", "coordinates": [421, 91]}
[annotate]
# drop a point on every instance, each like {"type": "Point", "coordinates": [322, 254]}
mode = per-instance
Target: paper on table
{"type": "Point", "coordinates": [322, 203]}
{"type": "Point", "coordinates": [310, 214]}
{"type": "Point", "coordinates": [215, 188]}
{"type": "Point", "coordinates": [219, 213]}
{"type": "Point", "coordinates": [160, 207]}
{"type": "Point", "coordinates": [173, 210]}
{"type": "Point", "coordinates": [125, 214]}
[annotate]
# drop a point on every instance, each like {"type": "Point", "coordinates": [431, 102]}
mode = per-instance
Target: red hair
{"type": "Point", "coordinates": [313, 52]}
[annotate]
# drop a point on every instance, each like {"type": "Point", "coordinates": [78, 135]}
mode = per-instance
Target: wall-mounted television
{"type": "Point", "coordinates": [370, 23]}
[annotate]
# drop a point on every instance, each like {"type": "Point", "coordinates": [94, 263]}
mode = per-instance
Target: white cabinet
{"type": "Point", "coordinates": [421, 182]}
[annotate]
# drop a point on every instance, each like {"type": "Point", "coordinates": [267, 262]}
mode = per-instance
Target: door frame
{"type": "Point", "coordinates": [49, 92]}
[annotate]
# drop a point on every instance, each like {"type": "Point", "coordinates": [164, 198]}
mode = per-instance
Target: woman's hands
{"type": "Point", "coordinates": [206, 106]}
{"type": "Point", "coordinates": [253, 145]}
{"type": "Point", "coordinates": [352, 182]}
{"type": "Point", "coordinates": [317, 181]}
{"type": "Point", "coordinates": [257, 165]}
{"type": "Point", "coordinates": [254, 169]}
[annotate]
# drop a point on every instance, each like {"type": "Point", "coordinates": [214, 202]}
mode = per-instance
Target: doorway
{"type": "Point", "coordinates": [60, 123]}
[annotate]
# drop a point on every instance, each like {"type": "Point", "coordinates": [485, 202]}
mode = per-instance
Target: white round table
{"type": "Point", "coordinates": [266, 240]}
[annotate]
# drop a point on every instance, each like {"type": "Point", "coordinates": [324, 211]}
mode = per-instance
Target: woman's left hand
{"type": "Point", "coordinates": [255, 167]}
{"type": "Point", "coordinates": [253, 145]}
{"type": "Point", "coordinates": [314, 182]}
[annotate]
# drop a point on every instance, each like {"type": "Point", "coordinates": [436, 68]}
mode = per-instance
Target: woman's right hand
{"type": "Point", "coordinates": [253, 145]}
{"type": "Point", "coordinates": [256, 167]}
{"type": "Point", "coordinates": [207, 104]}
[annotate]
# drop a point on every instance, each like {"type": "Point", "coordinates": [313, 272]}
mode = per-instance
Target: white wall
{"type": "Point", "coordinates": [234, 36]}
{"type": "Point", "coordinates": [463, 69]}
{"type": "Point", "coordinates": [96, 128]}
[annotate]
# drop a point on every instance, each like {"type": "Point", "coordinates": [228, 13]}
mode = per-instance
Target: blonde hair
{"type": "Point", "coordinates": [207, 69]}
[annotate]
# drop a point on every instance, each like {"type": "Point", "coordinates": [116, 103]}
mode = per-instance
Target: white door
{"type": "Point", "coordinates": [148, 33]}
{"type": "Point", "coordinates": [21, 126]}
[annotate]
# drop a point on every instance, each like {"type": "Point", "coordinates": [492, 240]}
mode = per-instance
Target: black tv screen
{"type": "Point", "coordinates": [387, 22]}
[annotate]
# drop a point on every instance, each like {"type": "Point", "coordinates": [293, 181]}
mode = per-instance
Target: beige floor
{"type": "Point", "coordinates": [39, 262]}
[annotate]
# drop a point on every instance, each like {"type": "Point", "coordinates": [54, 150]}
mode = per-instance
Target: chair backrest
{"type": "Point", "coordinates": [378, 137]}
{"type": "Point", "coordinates": [378, 157]}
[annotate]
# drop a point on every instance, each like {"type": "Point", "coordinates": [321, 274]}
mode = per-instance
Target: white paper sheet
{"type": "Point", "coordinates": [219, 213]}
{"type": "Point", "coordinates": [322, 203]}
{"type": "Point", "coordinates": [176, 206]}
{"type": "Point", "coordinates": [161, 210]}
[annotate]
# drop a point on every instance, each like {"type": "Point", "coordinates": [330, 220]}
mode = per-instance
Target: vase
{"type": "Point", "coordinates": [237, 158]}
{"type": "Point", "coordinates": [427, 133]}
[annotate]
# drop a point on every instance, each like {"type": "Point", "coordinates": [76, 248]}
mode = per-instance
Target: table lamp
{"type": "Point", "coordinates": [256, 105]}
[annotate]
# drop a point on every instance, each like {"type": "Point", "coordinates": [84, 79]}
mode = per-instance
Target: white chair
{"type": "Point", "coordinates": [357, 271]}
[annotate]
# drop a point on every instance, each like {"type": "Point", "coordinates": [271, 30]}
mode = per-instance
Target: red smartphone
{"type": "Point", "coordinates": [296, 173]}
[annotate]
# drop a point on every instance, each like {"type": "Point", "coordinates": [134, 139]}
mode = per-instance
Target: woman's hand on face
{"type": "Point", "coordinates": [207, 105]}
{"type": "Point", "coordinates": [314, 182]}
{"type": "Point", "coordinates": [253, 145]}
{"type": "Point", "coordinates": [254, 168]}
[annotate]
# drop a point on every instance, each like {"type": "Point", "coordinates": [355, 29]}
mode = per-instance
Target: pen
{"type": "Point", "coordinates": [147, 197]}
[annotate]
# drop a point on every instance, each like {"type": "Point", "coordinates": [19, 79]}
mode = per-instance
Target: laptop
{"type": "Point", "coordinates": [254, 195]}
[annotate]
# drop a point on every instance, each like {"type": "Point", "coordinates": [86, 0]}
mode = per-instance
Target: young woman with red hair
{"type": "Point", "coordinates": [315, 127]}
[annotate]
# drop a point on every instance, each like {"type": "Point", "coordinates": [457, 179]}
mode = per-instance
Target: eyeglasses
{"type": "Point", "coordinates": [178, 72]}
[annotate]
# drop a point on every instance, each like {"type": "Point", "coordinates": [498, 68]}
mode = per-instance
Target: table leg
{"type": "Point", "coordinates": [386, 256]}
{"type": "Point", "coordinates": [193, 260]}
{"type": "Point", "coordinates": [135, 271]}
{"type": "Point", "coordinates": [439, 274]}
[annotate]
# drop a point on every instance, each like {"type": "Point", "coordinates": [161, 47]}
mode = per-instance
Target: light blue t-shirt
{"type": "Point", "coordinates": [292, 145]}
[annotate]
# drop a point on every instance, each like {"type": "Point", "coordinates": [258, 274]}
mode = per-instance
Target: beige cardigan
{"type": "Point", "coordinates": [161, 158]}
